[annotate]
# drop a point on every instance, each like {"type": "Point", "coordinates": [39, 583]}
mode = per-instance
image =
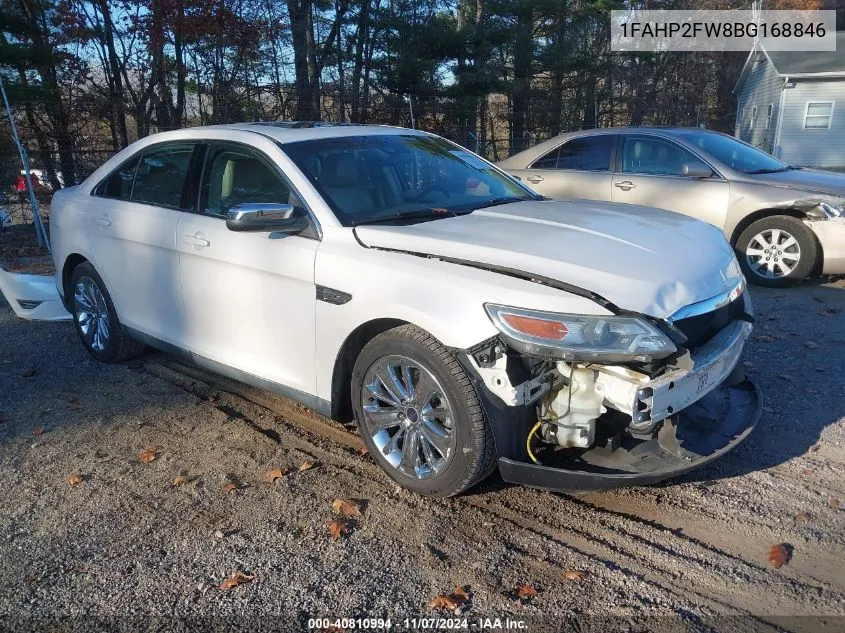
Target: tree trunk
{"type": "Point", "coordinates": [179, 53]}
{"type": "Point", "coordinates": [116, 97]}
{"type": "Point", "coordinates": [358, 66]}
{"type": "Point", "coordinates": [161, 95]}
{"type": "Point", "coordinates": [521, 78]}
{"type": "Point", "coordinates": [300, 26]}
{"type": "Point", "coordinates": [54, 107]}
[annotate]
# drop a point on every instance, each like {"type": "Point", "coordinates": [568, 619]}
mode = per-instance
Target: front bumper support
{"type": "Point", "coordinates": [699, 434]}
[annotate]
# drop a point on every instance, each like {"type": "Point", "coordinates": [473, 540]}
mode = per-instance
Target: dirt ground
{"type": "Point", "coordinates": [146, 546]}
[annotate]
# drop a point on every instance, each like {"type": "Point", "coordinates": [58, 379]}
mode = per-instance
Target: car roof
{"type": "Point", "coordinates": [632, 130]}
{"type": "Point", "coordinates": [515, 161]}
{"type": "Point", "coordinates": [292, 131]}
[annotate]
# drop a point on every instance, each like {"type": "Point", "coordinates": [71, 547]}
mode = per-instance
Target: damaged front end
{"type": "Point", "coordinates": [626, 400]}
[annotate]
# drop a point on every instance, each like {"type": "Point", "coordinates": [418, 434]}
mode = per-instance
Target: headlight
{"type": "Point", "coordinates": [576, 337]}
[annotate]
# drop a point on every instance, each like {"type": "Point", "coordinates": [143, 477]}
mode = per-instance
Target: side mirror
{"type": "Point", "coordinates": [266, 217]}
{"type": "Point", "coordinates": [696, 170]}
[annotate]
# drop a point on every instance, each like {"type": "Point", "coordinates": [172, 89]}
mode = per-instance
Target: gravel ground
{"type": "Point", "coordinates": [130, 548]}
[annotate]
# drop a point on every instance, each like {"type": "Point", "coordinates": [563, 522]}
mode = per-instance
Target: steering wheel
{"type": "Point", "coordinates": [427, 190]}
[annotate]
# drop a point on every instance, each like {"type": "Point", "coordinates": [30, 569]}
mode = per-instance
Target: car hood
{"type": "Point", "coordinates": [814, 180]}
{"type": "Point", "coordinates": [641, 259]}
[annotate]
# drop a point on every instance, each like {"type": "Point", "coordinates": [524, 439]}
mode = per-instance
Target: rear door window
{"type": "Point", "coordinates": [548, 161]}
{"type": "Point", "coordinates": [119, 184]}
{"type": "Point", "coordinates": [586, 153]}
{"type": "Point", "coordinates": [161, 174]}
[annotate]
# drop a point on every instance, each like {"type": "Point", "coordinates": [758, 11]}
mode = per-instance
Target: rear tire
{"type": "Point", "coordinates": [418, 414]}
{"type": "Point", "coordinates": [95, 318]}
{"type": "Point", "coordinates": [777, 251]}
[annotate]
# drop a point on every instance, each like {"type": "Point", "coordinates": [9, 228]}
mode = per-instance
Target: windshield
{"type": "Point", "coordinates": [381, 177]}
{"type": "Point", "coordinates": [734, 154]}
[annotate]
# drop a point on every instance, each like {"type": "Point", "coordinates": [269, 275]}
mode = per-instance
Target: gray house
{"type": "Point", "coordinates": [792, 105]}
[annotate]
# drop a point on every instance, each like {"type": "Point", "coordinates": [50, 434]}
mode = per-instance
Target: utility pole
{"type": "Point", "coordinates": [40, 233]}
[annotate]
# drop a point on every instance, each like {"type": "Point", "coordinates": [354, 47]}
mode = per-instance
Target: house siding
{"type": "Point", "coordinates": [819, 147]}
{"type": "Point", "coordinates": [762, 88]}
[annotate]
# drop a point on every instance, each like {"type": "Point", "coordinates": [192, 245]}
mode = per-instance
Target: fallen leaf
{"type": "Point", "coordinates": [815, 448]}
{"type": "Point", "coordinates": [149, 455]}
{"type": "Point", "coordinates": [346, 508]}
{"type": "Point", "coordinates": [306, 466]}
{"type": "Point", "coordinates": [806, 472]}
{"type": "Point", "coordinates": [74, 479]}
{"type": "Point", "coordinates": [230, 486]}
{"type": "Point", "coordinates": [765, 338]}
{"type": "Point", "coordinates": [38, 430]}
{"type": "Point", "coordinates": [461, 593]}
{"type": "Point", "coordinates": [802, 517]}
{"type": "Point", "coordinates": [273, 475]}
{"type": "Point", "coordinates": [832, 503]}
{"type": "Point", "coordinates": [235, 580]}
{"type": "Point", "coordinates": [810, 345]}
{"type": "Point", "coordinates": [337, 527]}
{"type": "Point", "coordinates": [525, 592]}
{"type": "Point", "coordinates": [779, 555]}
{"type": "Point", "coordinates": [180, 481]}
{"type": "Point", "coordinates": [443, 602]}
{"type": "Point", "coordinates": [363, 452]}
{"type": "Point", "coordinates": [574, 574]}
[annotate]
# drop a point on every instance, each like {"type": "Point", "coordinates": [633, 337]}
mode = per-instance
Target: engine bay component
{"type": "Point", "coordinates": [569, 413]}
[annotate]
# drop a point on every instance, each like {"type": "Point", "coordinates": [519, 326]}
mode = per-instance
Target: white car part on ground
{"type": "Point", "coordinates": [33, 296]}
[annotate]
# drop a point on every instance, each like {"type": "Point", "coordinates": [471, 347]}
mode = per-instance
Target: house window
{"type": "Point", "coordinates": [753, 116]}
{"type": "Point", "coordinates": [769, 111]}
{"type": "Point", "coordinates": [818, 115]}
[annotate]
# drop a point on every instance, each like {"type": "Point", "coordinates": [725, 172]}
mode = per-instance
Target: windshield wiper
{"type": "Point", "coordinates": [495, 202]}
{"type": "Point", "coordinates": [423, 214]}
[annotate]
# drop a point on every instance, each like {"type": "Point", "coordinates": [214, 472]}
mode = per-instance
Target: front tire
{"type": "Point", "coordinates": [777, 251]}
{"type": "Point", "coordinates": [418, 414]}
{"type": "Point", "coordinates": [95, 318]}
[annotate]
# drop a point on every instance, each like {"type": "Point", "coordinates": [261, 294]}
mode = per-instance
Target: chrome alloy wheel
{"type": "Point", "coordinates": [773, 253]}
{"type": "Point", "coordinates": [92, 314]}
{"type": "Point", "coordinates": [408, 416]}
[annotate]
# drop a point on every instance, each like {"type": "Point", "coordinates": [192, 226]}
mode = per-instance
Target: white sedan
{"type": "Point", "coordinates": [390, 276]}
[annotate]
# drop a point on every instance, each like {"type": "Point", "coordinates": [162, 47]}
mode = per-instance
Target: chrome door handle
{"type": "Point", "coordinates": [625, 185]}
{"type": "Point", "coordinates": [195, 240]}
{"type": "Point", "coordinates": [102, 221]}
{"type": "Point", "coordinates": [534, 179]}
